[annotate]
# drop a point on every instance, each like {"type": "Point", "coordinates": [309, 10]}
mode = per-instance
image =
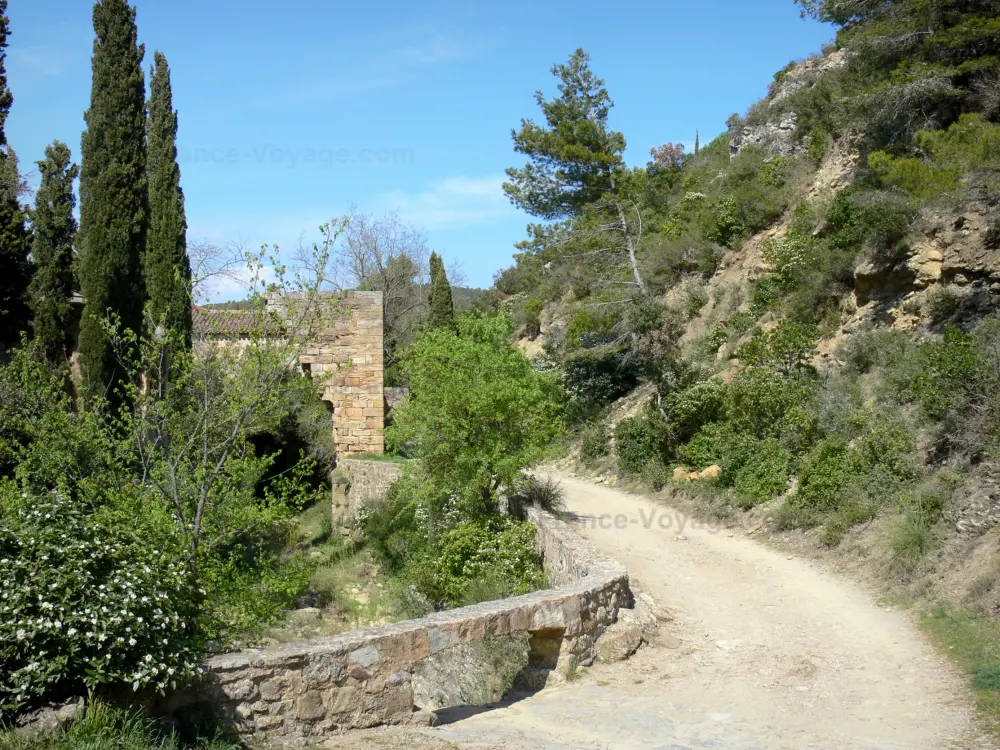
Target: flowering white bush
{"type": "Point", "coordinates": [83, 604]}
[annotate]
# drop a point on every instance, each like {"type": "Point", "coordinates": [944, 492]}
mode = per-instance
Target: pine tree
{"type": "Point", "coordinates": [15, 240]}
{"type": "Point", "coordinates": [166, 266]}
{"type": "Point", "coordinates": [442, 307]}
{"type": "Point", "coordinates": [52, 250]}
{"type": "Point", "coordinates": [114, 211]}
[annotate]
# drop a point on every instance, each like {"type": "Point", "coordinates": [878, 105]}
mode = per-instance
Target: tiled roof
{"type": "Point", "coordinates": [220, 323]}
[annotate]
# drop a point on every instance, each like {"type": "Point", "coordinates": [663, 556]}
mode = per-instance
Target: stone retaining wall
{"type": "Point", "coordinates": [363, 481]}
{"type": "Point", "coordinates": [296, 693]}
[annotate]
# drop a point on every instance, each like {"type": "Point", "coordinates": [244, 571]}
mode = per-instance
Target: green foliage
{"type": "Point", "coordinates": [15, 247]}
{"type": "Point", "coordinates": [533, 316]}
{"type": "Point", "coordinates": [868, 350]}
{"type": "Point", "coordinates": [595, 377]}
{"type": "Point", "coordinates": [441, 305]}
{"type": "Point", "coordinates": [691, 408]}
{"type": "Point", "coordinates": [489, 547]}
{"type": "Point", "coordinates": [572, 157]}
{"type": "Point", "coordinates": [595, 443]}
{"type": "Point", "coordinates": [114, 210]}
{"type": "Point", "coordinates": [536, 492]}
{"type": "Point", "coordinates": [166, 268]}
{"type": "Point", "coordinates": [15, 240]}
{"type": "Point", "coordinates": [478, 414]}
{"type": "Point", "coordinates": [86, 602]}
{"type": "Point", "coordinates": [972, 144]}
{"type": "Point", "coordinates": [55, 230]}
{"type": "Point", "coordinates": [786, 348]}
{"type": "Point", "coordinates": [758, 469]}
{"type": "Point", "coordinates": [104, 727]}
{"type": "Point", "coordinates": [910, 538]}
{"type": "Point", "coordinates": [591, 327]}
{"type": "Point", "coordinates": [639, 441]}
{"type": "Point", "coordinates": [942, 303]}
{"type": "Point", "coordinates": [706, 447]}
{"type": "Point", "coordinates": [945, 370]}
{"type": "Point", "coordinates": [818, 144]}
{"type": "Point", "coordinates": [825, 473]}
{"type": "Point", "coordinates": [868, 219]}
{"type": "Point", "coordinates": [759, 398]}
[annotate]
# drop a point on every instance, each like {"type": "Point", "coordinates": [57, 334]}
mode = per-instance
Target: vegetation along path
{"type": "Point", "coordinates": [774, 653]}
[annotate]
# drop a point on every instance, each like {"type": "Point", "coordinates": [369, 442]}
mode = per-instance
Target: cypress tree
{"type": "Point", "coordinates": [442, 308]}
{"type": "Point", "coordinates": [52, 250]}
{"type": "Point", "coordinates": [114, 211]}
{"type": "Point", "coordinates": [697, 143]}
{"type": "Point", "coordinates": [15, 240]}
{"type": "Point", "coordinates": [166, 267]}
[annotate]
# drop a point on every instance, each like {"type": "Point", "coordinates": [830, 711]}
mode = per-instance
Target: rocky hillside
{"type": "Point", "coordinates": [818, 319]}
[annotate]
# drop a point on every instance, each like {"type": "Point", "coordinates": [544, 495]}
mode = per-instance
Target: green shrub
{"type": "Point", "coordinates": [786, 348]}
{"type": "Point", "coordinates": [867, 350]}
{"type": "Point", "coordinates": [594, 378]}
{"type": "Point", "coordinates": [596, 442]}
{"type": "Point", "coordinates": [942, 302]}
{"type": "Point", "coordinates": [104, 728]}
{"type": "Point", "coordinates": [818, 144]}
{"type": "Point", "coordinates": [825, 473]}
{"type": "Point", "coordinates": [85, 603]}
{"type": "Point", "coordinates": [536, 492]}
{"type": "Point", "coordinates": [533, 316]}
{"type": "Point", "coordinates": [855, 507]}
{"type": "Point", "coordinates": [655, 475]}
{"type": "Point", "coordinates": [489, 546]}
{"type": "Point", "coordinates": [759, 398]}
{"type": "Point", "coordinates": [944, 372]}
{"type": "Point", "coordinates": [910, 538]}
{"type": "Point", "coordinates": [759, 471]}
{"type": "Point", "coordinates": [860, 218]}
{"type": "Point", "coordinates": [691, 408]}
{"type": "Point", "coordinates": [706, 447]}
{"type": "Point", "coordinates": [638, 441]}
{"type": "Point", "coordinates": [972, 143]}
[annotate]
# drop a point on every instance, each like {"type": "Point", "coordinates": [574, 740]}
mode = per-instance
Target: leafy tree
{"type": "Point", "coordinates": [442, 307]}
{"type": "Point", "coordinates": [166, 266]}
{"type": "Point", "coordinates": [15, 240]}
{"type": "Point", "coordinates": [478, 414]}
{"type": "Point", "coordinates": [575, 165]}
{"type": "Point", "coordinates": [55, 229]}
{"type": "Point", "coordinates": [572, 159]}
{"type": "Point", "coordinates": [384, 254]}
{"type": "Point", "coordinates": [114, 210]}
{"type": "Point", "coordinates": [669, 155]}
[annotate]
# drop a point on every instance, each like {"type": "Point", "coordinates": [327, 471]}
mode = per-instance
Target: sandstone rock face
{"type": "Point", "coordinates": [295, 693]}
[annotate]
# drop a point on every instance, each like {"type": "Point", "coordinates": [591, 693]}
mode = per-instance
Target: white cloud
{"type": "Point", "coordinates": [452, 202]}
{"type": "Point", "coordinates": [38, 61]}
{"type": "Point", "coordinates": [391, 59]}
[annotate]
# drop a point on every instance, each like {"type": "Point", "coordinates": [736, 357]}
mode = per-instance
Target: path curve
{"type": "Point", "coordinates": [775, 653]}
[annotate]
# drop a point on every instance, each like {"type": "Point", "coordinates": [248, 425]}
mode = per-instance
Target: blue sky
{"type": "Point", "coordinates": [290, 112]}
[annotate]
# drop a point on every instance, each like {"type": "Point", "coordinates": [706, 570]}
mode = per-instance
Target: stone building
{"type": "Point", "coordinates": [343, 356]}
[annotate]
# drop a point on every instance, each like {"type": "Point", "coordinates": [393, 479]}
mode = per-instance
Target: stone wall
{"type": "Point", "coordinates": [297, 693]}
{"type": "Point", "coordinates": [346, 361]}
{"type": "Point", "coordinates": [343, 355]}
{"type": "Point", "coordinates": [359, 481]}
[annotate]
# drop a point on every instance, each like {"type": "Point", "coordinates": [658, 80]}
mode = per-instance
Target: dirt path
{"type": "Point", "coordinates": [775, 653]}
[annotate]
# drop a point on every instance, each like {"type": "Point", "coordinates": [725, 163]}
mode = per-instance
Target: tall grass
{"type": "Point", "coordinates": [105, 728]}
